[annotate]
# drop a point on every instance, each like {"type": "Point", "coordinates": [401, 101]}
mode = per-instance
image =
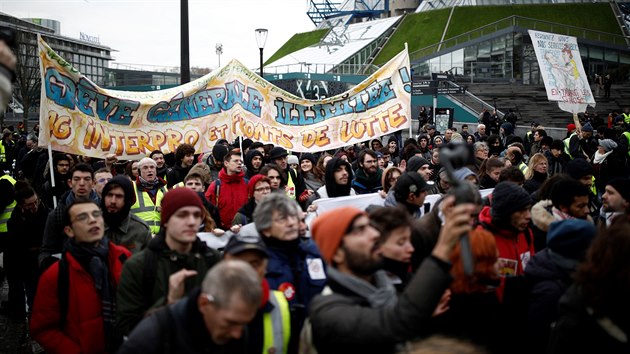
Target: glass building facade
{"type": "Point", "coordinates": [511, 57]}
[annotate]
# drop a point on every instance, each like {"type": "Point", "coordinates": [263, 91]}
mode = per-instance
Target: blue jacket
{"type": "Point", "coordinates": [295, 268]}
{"type": "Point", "coordinates": [280, 275]}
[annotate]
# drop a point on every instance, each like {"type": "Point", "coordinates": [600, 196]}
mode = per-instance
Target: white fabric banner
{"type": "Point", "coordinates": [562, 70]}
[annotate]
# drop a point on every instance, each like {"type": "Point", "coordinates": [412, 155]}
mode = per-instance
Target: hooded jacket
{"type": "Point", "coordinates": [515, 247]}
{"type": "Point", "coordinates": [331, 189]}
{"type": "Point", "coordinates": [231, 197]}
{"type": "Point", "coordinates": [124, 228]}
{"type": "Point", "coordinates": [248, 163]}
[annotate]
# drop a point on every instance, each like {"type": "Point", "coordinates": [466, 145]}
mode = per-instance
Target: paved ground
{"type": "Point", "coordinates": [13, 334]}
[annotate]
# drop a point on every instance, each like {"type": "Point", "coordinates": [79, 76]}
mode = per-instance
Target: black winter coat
{"type": "Point", "coordinates": [548, 282]}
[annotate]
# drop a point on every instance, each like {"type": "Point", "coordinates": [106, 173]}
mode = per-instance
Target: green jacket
{"type": "Point", "coordinates": [133, 234]}
{"type": "Point", "coordinates": [132, 305]}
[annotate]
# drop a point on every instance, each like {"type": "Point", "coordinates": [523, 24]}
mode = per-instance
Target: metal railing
{"type": "Point", "coordinates": [472, 102]}
{"type": "Point", "coordinates": [523, 22]}
{"type": "Point", "coordinates": [315, 68]}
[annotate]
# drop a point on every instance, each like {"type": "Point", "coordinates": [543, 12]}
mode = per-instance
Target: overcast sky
{"type": "Point", "coordinates": [147, 31]}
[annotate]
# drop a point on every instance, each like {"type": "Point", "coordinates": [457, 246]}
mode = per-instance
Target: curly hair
{"type": "Point", "coordinates": [485, 254]}
{"type": "Point", "coordinates": [183, 150]}
{"type": "Point", "coordinates": [319, 170]}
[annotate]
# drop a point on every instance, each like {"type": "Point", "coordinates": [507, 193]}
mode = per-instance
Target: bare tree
{"type": "Point", "coordinates": [28, 83]}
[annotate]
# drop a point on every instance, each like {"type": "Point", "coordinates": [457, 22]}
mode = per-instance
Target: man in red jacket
{"type": "Point", "coordinates": [74, 305]}
{"type": "Point", "coordinates": [229, 192]}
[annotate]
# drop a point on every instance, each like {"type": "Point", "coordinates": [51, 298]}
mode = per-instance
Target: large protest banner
{"type": "Point", "coordinates": [79, 117]}
{"type": "Point", "coordinates": [562, 71]}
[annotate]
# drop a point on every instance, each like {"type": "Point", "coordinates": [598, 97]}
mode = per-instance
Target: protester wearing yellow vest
{"type": "Point", "coordinates": [149, 190]}
{"type": "Point", "coordinates": [626, 136]}
{"type": "Point", "coordinates": [515, 155]}
{"type": "Point", "coordinates": [296, 188]}
{"type": "Point", "coordinates": [6, 213]}
{"type": "Point", "coordinates": [270, 330]}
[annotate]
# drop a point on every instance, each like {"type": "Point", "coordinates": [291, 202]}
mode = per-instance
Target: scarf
{"type": "Point", "coordinates": [559, 215]}
{"type": "Point", "coordinates": [370, 182]}
{"type": "Point", "coordinates": [599, 158]}
{"type": "Point", "coordinates": [146, 185]}
{"type": "Point", "coordinates": [93, 196]}
{"type": "Point", "coordinates": [382, 295]}
{"type": "Point", "coordinates": [94, 259]}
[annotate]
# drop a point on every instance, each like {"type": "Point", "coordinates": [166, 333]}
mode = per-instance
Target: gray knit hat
{"type": "Point", "coordinates": [607, 144]}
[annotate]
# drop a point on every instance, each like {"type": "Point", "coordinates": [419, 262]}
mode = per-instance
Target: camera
{"type": "Point", "coordinates": [453, 157]}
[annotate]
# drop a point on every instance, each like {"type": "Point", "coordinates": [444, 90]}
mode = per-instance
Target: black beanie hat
{"type": "Point", "coordinates": [622, 186]}
{"type": "Point", "coordinates": [578, 168]}
{"type": "Point", "coordinates": [571, 238]}
{"type": "Point", "coordinates": [508, 198]}
{"type": "Point", "coordinates": [219, 151]}
{"type": "Point", "coordinates": [308, 156]}
{"type": "Point", "coordinates": [415, 162]}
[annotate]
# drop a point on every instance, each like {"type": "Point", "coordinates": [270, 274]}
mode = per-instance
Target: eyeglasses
{"type": "Point", "coordinates": [103, 180]}
{"type": "Point", "coordinates": [84, 217]}
{"type": "Point", "coordinates": [263, 189]}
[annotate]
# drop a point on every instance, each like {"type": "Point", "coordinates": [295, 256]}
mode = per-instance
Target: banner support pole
{"type": "Point", "coordinates": [52, 173]}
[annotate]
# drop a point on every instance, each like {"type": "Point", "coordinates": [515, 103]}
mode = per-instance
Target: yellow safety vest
{"type": "Point", "coordinates": [523, 167]}
{"type": "Point", "coordinates": [277, 325]}
{"type": "Point", "coordinates": [3, 153]}
{"type": "Point", "coordinates": [566, 145]}
{"type": "Point", "coordinates": [627, 135]}
{"type": "Point", "coordinates": [291, 186]}
{"type": "Point", "coordinates": [145, 209]}
{"type": "Point", "coordinates": [6, 214]}
{"type": "Point", "coordinates": [626, 118]}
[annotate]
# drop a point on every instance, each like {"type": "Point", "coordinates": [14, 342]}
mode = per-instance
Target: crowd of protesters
{"type": "Point", "coordinates": [207, 253]}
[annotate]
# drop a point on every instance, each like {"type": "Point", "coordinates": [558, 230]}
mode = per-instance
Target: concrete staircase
{"type": "Point", "coordinates": [530, 102]}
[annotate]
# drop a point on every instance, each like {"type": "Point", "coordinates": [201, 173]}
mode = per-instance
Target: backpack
{"type": "Point", "coordinates": [217, 188]}
{"type": "Point", "coordinates": [63, 283]}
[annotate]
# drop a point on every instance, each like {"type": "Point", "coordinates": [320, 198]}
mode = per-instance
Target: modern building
{"type": "Point", "coordinates": [86, 54]}
{"type": "Point", "coordinates": [479, 42]}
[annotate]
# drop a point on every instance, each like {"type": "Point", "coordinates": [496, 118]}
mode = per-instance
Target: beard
{"type": "Point", "coordinates": [361, 264]}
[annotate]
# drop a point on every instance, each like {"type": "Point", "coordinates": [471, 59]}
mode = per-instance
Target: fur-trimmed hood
{"type": "Point", "coordinates": [541, 215]}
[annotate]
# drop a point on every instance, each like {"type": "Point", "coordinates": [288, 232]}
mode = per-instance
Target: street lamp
{"type": "Point", "coordinates": [261, 38]}
{"type": "Point", "coordinates": [219, 50]}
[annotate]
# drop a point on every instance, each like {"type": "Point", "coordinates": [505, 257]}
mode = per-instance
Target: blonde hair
{"type": "Point", "coordinates": [533, 161]}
